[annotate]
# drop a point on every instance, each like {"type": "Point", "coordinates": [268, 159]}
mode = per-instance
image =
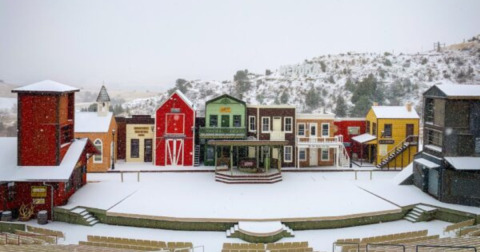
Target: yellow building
{"type": "Point", "coordinates": [139, 139]}
{"type": "Point", "coordinates": [394, 133]}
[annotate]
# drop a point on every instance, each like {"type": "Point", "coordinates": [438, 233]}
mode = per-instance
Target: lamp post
{"type": "Point", "coordinates": [113, 149]}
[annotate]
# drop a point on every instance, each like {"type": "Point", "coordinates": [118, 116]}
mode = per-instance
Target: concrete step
{"type": "Point", "coordinates": [410, 219]}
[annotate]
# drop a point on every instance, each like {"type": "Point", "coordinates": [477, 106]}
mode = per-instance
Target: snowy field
{"type": "Point", "coordinates": [197, 196]}
{"type": "Point", "coordinates": [320, 240]}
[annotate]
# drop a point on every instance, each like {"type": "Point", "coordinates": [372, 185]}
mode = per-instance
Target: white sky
{"type": "Point", "coordinates": [148, 44]}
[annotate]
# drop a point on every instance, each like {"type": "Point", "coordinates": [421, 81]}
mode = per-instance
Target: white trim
{"type": "Point", "coordinates": [254, 122]}
{"type": "Point", "coordinates": [101, 151]}
{"type": "Point", "coordinates": [285, 154]}
{"type": "Point", "coordinates": [269, 122]}
{"type": "Point", "coordinates": [328, 134]}
{"type": "Point", "coordinates": [305, 156]}
{"type": "Point", "coordinates": [316, 116]}
{"type": "Point", "coordinates": [285, 124]}
{"type": "Point", "coordinates": [304, 129]}
{"type": "Point", "coordinates": [321, 154]}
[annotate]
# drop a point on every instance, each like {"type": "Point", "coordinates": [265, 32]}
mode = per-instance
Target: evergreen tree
{"type": "Point", "coordinates": [361, 107]}
{"type": "Point", "coordinates": [284, 97]}
{"type": "Point", "coordinates": [312, 98]}
{"type": "Point", "coordinates": [341, 108]}
{"type": "Point", "coordinates": [242, 83]}
{"type": "Point", "coordinates": [349, 85]}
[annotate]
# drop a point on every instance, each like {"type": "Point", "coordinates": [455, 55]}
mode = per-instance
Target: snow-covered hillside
{"type": "Point", "coordinates": [328, 75]}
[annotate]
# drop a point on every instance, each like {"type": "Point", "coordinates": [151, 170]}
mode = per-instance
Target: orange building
{"type": "Point", "coordinates": [101, 128]}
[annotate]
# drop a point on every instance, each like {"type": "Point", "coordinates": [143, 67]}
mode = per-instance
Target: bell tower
{"type": "Point", "coordinates": [103, 102]}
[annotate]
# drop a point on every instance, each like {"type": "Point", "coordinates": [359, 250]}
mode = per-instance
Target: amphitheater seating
{"type": "Point", "coordinates": [351, 244]}
{"type": "Point", "coordinates": [456, 241]}
{"type": "Point", "coordinates": [58, 248]}
{"type": "Point", "coordinates": [270, 247]}
{"type": "Point", "coordinates": [459, 225]}
{"type": "Point", "coordinates": [45, 231]}
{"type": "Point", "coordinates": [136, 244]}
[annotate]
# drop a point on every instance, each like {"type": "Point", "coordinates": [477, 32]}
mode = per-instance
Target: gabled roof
{"type": "Point", "coordinates": [364, 138]}
{"type": "Point", "coordinates": [182, 96]}
{"type": "Point", "coordinates": [454, 91]}
{"type": "Point", "coordinates": [394, 112]}
{"type": "Point", "coordinates": [103, 95]}
{"type": "Point", "coordinates": [225, 96]}
{"type": "Point", "coordinates": [9, 171]}
{"type": "Point", "coordinates": [92, 122]}
{"type": "Point", "coordinates": [46, 86]}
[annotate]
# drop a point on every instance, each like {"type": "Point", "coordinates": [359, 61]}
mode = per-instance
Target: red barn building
{"type": "Point", "coordinates": [175, 132]}
{"type": "Point", "coordinates": [348, 128]}
{"type": "Point", "coordinates": [45, 165]}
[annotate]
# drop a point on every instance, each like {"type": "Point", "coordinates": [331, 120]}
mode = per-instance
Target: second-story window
{"type": "Point", "coordinates": [237, 121]}
{"type": "Point", "coordinates": [387, 130]}
{"type": "Point", "coordinates": [98, 158]}
{"type": "Point", "coordinates": [265, 124]}
{"type": "Point", "coordinates": [301, 129]}
{"type": "Point", "coordinates": [251, 123]}
{"type": "Point", "coordinates": [429, 110]}
{"type": "Point", "coordinates": [288, 124]}
{"type": "Point", "coordinates": [368, 127]}
{"type": "Point", "coordinates": [374, 129]}
{"type": "Point", "coordinates": [213, 121]}
{"type": "Point", "coordinates": [325, 129]}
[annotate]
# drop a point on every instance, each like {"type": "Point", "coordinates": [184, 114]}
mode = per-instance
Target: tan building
{"type": "Point", "coordinates": [316, 142]}
{"type": "Point", "coordinates": [100, 127]}
{"type": "Point", "coordinates": [139, 139]}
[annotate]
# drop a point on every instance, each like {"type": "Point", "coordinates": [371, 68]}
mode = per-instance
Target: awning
{"type": "Point", "coordinates": [363, 138]}
{"type": "Point", "coordinates": [464, 163]}
{"type": "Point", "coordinates": [248, 142]}
{"type": "Point", "coordinates": [427, 163]}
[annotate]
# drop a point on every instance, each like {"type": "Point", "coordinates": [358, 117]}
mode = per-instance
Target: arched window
{"type": "Point", "coordinates": [98, 158]}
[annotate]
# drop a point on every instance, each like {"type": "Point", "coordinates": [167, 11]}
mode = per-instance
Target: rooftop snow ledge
{"type": "Point", "coordinates": [433, 147]}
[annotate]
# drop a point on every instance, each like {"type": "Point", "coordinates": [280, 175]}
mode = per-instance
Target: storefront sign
{"type": "Point", "coordinates": [39, 191]}
{"type": "Point", "coordinates": [38, 201]}
{"type": "Point", "coordinates": [141, 131]}
{"type": "Point", "coordinates": [225, 110]}
{"type": "Point", "coordinates": [386, 141]}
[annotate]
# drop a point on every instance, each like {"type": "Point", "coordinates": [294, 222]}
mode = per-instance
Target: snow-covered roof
{"type": "Point", "coordinates": [426, 163]}
{"type": "Point", "coordinates": [460, 90]}
{"type": "Point", "coordinates": [394, 112]}
{"type": "Point", "coordinates": [184, 98]}
{"type": "Point", "coordinates": [464, 163]}
{"type": "Point", "coordinates": [89, 122]}
{"type": "Point", "coordinates": [103, 95]}
{"type": "Point", "coordinates": [46, 86]}
{"type": "Point", "coordinates": [9, 171]}
{"type": "Point", "coordinates": [363, 138]}
{"type": "Point", "coordinates": [315, 116]}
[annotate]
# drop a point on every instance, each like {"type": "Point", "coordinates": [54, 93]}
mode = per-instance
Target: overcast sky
{"type": "Point", "coordinates": [149, 44]}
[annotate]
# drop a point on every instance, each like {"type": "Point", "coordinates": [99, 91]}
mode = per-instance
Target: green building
{"type": "Point", "coordinates": [224, 120]}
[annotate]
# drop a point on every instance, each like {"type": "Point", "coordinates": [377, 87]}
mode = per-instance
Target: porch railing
{"type": "Point", "coordinates": [319, 140]}
{"type": "Point", "coordinates": [223, 132]}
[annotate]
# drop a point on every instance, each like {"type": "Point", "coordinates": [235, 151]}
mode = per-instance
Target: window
{"type": "Point", "coordinates": [301, 129]}
{"type": "Point", "coordinates": [325, 129]}
{"type": "Point", "coordinates": [225, 121]}
{"type": "Point", "coordinates": [325, 154]}
{"type": "Point", "coordinates": [251, 124]}
{"type": "Point", "coordinates": [287, 154]}
{"type": "Point", "coordinates": [429, 110]}
{"type": "Point", "coordinates": [313, 130]}
{"type": "Point", "coordinates": [99, 145]}
{"type": "Point", "coordinates": [374, 129]}
{"type": "Point", "coordinates": [134, 148]}
{"type": "Point", "coordinates": [265, 124]}
{"type": "Point", "coordinates": [210, 153]}
{"type": "Point", "coordinates": [368, 127]}
{"type": "Point", "coordinates": [213, 120]}
{"type": "Point", "coordinates": [302, 154]}
{"type": "Point", "coordinates": [387, 130]}
{"type": "Point", "coordinates": [353, 130]}
{"type": "Point", "coordinates": [434, 138]}
{"type": "Point", "coordinates": [237, 121]}
{"type": "Point", "coordinates": [288, 124]}
{"type": "Point", "coordinates": [11, 188]}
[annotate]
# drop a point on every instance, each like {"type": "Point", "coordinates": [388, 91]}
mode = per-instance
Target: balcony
{"type": "Point", "coordinates": [277, 135]}
{"type": "Point", "coordinates": [319, 141]}
{"type": "Point", "coordinates": [228, 133]}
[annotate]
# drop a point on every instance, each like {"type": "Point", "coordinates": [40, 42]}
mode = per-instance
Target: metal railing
{"type": "Point", "coordinates": [219, 132]}
{"type": "Point", "coordinates": [385, 245]}
{"type": "Point", "coordinates": [320, 140]}
{"type": "Point", "coordinates": [409, 140]}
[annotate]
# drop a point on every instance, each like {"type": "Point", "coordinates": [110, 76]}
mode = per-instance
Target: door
{"type": "Point", "coordinates": [175, 124]}
{"type": "Point", "coordinates": [174, 151]}
{"type": "Point", "coordinates": [433, 178]}
{"type": "Point", "coordinates": [225, 121]}
{"type": "Point", "coordinates": [148, 150]}
{"type": "Point", "coordinates": [409, 131]}
{"type": "Point", "coordinates": [313, 160]}
{"type": "Point", "coordinates": [277, 124]}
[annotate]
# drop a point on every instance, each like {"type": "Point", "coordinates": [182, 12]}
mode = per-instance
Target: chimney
{"type": "Point", "coordinates": [375, 104]}
{"type": "Point", "coordinates": [409, 107]}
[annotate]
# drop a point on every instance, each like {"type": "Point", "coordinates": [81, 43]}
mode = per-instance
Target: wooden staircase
{"type": "Point", "coordinates": [397, 151]}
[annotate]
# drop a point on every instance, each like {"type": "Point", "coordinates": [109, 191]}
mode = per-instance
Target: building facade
{"type": "Point", "coordinates": [224, 120]}
{"type": "Point", "coordinates": [272, 123]}
{"type": "Point", "coordinates": [448, 167]}
{"type": "Point", "coordinates": [45, 165]}
{"type": "Point", "coordinates": [101, 128]}
{"type": "Point", "coordinates": [349, 128]}
{"type": "Point", "coordinates": [395, 132]}
{"type": "Point", "coordinates": [137, 132]}
{"type": "Point", "coordinates": [175, 132]}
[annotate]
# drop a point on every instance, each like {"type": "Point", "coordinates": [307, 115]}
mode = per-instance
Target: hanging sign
{"type": "Point", "coordinates": [38, 201]}
{"type": "Point", "coordinates": [39, 191]}
{"type": "Point", "coordinates": [225, 110]}
{"type": "Point", "coordinates": [386, 141]}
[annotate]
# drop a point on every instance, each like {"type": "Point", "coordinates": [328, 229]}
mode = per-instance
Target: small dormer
{"type": "Point", "coordinates": [103, 102]}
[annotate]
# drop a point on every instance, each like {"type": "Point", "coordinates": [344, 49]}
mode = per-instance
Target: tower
{"type": "Point", "coordinates": [103, 102]}
{"type": "Point", "coordinates": [45, 123]}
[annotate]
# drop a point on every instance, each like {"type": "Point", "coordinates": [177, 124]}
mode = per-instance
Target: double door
{"type": "Point", "coordinates": [174, 151]}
